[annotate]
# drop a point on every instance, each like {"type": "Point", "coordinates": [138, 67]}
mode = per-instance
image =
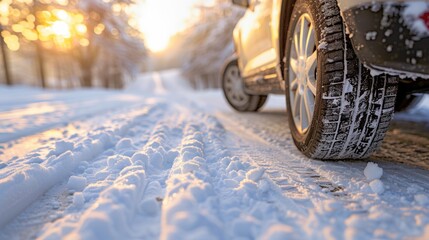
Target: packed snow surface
{"type": "Point", "coordinates": [158, 160]}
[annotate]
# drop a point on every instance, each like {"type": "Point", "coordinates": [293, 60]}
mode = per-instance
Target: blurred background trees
{"type": "Point", "coordinates": [202, 48]}
{"type": "Point", "coordinates": [69, 43]}
{"type": "Point", "coordinates": [99, 43]}
{"type": "Point", "coordinates": [212, 44]}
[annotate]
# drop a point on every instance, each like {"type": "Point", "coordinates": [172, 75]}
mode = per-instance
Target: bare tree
{"type": "Point", "coordinates": [6, 71]}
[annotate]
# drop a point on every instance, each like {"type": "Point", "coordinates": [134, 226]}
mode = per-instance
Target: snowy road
{"type": "Point", "coordinates": [160, 161]}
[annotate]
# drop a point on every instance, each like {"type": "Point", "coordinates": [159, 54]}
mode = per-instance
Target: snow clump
{"type": "Point", "coordinates": [322, 45]}
{"type": "Point", "coordinates": [373, 173]}
{"type": "Point", "coordinates": [78, 199]}
{"type": "Point", "coordinates": [414, 17]}
{"type": "Point", "coordinates": [76, 183]}
{"type": "Point", "coordinates": [377, 186]}
{"type": "Point", "coordinates": [62, 147]}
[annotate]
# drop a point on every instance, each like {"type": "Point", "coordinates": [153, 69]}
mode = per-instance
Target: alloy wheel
{"type": "Point", "coordinates": [302, 73]}
{"type": "Point", "coordinates": [234, 86]}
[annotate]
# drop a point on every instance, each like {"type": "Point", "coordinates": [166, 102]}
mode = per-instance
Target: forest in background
{"type": "Point", "coordinates": [67, 44]}
{"type": "Point", "coordinates": [95, 43]}
{"type": "Point", "coordinates": [202, 49]}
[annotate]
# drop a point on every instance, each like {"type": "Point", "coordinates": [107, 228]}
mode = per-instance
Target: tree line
{"type": "Point", "coordinates": [80, 43]}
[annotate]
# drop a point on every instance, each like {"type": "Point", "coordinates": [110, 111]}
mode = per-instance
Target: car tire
{"type": "Point", "coordinates": [336, 109]}
{"type": "Point", "coordinates": [234, 92]}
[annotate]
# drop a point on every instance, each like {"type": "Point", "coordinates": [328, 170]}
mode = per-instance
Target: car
{"type": "Point", "coordinates": [344, 66]}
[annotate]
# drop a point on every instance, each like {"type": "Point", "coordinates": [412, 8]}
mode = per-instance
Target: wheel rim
{"type": "Point", "coordinates": [302, 73]}
{"type": "Point", "coordinates": [234, 86]}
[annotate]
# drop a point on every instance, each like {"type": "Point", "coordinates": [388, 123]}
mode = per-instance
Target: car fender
{"type": "Point", "coordinates": [236, 35]}
{"type": "Point", "coordinates": [275, 34]}
{"type": "Point", "coordinates": [282, 11]}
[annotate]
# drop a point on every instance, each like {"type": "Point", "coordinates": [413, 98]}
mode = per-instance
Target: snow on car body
{"type": "Point", "coordinates": [338, 63]}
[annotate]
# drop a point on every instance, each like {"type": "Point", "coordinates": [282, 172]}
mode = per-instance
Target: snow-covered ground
{"type": "Point", "coordinates": [159, 160]}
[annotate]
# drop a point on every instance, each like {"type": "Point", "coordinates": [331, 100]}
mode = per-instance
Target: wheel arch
{"type": "Point", "coordinates": [284, 19]}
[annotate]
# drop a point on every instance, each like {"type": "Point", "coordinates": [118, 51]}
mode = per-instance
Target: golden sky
{"type": "Point", "coordinates": [159, 20]}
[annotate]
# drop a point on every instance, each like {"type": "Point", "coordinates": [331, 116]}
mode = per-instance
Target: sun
{"type": "Point", "coordinates": [159, 20]}
{"type": "Point", "coordinates": [61, 29]}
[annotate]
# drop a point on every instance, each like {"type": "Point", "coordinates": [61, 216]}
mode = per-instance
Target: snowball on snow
{"type": "Point", "coordinates": [76, 183]}
{"type": "Point", "coordinates": [377, 186]}
{"type": "Point", "coordinates": [421, 199]}
{"type": "Point", "coordinates": [373, 171]}
{"type": "Point", "coordinates": [78, 199]}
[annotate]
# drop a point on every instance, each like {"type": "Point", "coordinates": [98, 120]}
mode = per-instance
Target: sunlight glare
{"type": "Point", "coordinates": [159, 20]}
{"type": "Point", "coordinates": [61, 29]}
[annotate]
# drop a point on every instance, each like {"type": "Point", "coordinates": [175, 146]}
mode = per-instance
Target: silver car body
{"type": "Point", "coordinates": [258, 35]}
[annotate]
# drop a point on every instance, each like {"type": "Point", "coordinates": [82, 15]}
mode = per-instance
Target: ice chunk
{"type": "Point", "coordinates": [76, 183]}
{"type": "Point", "coordinates": [377, 186]}
{"type": "Point", "coordinates": [373, 171]}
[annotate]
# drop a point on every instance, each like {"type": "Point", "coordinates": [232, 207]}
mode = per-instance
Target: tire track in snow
{"type": "Point", "coordinates": [24, 181]}
{"type": "Point", "coordinates": [356, 212]}
{"type": "Point", "coordinates": [213, 192]}
{"type": "Point", "coordinates": [159, 86]}
{"type": "Point", "coordinates": [291, 172]}
{"type": "Point", "coordinates": [143, 165]}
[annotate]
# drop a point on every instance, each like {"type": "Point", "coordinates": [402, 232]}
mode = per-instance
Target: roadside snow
{"type": "Point", "coordinates": [25, 111]}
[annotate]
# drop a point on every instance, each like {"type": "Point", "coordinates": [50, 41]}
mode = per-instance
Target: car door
{"type": "Point", "coordinates": [256, 36]}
